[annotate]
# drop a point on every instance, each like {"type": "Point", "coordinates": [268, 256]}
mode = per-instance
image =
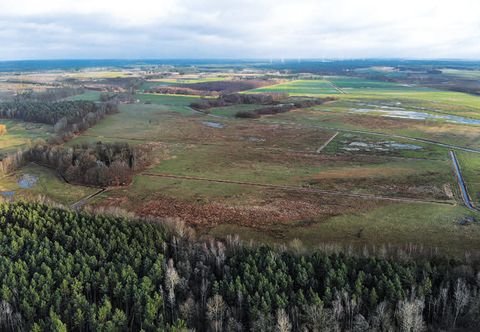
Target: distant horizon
{"type": "Point", "coordinates": [277, 59]}
{"type": "Point", "coordinates": [298, 65]}
{"type": "Point", "coordinates": [254, 29]}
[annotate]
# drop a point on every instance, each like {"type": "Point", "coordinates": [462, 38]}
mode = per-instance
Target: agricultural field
{"type": "Point", "coordinates": [101, 74]}
{"type": "Point", "coordinates": [470, 74]}
{"type": "Point", "coordinates": [301, 88]}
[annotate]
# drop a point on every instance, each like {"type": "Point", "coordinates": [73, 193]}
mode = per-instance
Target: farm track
{"type": "Point", "coordinates": [81, 203]}
{"type": "Point", "coordinates": [461, 183]}
{"type": "Point", "coordinates": [336, 87]}
{"type": "Point", "coordinates": [300, 189]}
{"type": "Point", "coordinates": [327, 142]}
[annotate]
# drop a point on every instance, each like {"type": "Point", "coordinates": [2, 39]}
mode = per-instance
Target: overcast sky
{"type": "Point", "coordinates": [53, 29]}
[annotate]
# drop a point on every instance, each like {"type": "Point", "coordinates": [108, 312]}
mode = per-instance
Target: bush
{"type": "Point", "coordinates": [246, 115]}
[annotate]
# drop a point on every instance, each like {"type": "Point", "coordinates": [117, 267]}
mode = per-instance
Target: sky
{"type": "Point", "coordinates": [141, 29]}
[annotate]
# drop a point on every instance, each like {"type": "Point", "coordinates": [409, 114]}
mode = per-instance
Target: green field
{"type": "Point", "coordinates": [411, 178]}
{"type": "Point", "coordinates": [181, 80]}
{"type": "Point", "coordinates": [469, 74]}
{"type": "Point", "coordinates": [359, 84]}
{"type": "Point", "coordinates": [140, 123]}
{"type": "Point", "coordinates": [20, 134]}
{"type": "Point", "coordinates": [47, 184]}
{"type": "Point", "coordinates": [470, 165]}
{"type": "Point", "coordinates": [301, 87]}
{"type": "Point", "coordinates": [170, 100]}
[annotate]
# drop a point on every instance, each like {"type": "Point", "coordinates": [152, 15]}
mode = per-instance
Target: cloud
{"type": "Point", "coordinates": [52, 29]}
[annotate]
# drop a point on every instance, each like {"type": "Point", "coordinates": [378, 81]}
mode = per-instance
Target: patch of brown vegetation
{"type": "Point", "coordinates": [375, 122]}
{"type": "Point", "coordinates": [280, 208]}
{"type": "Point", "coordinates": [419, 186]}
{"type": "Point", "coordinates": [361, 172]}
{"type": "Point", "coordinates": [173, 90]}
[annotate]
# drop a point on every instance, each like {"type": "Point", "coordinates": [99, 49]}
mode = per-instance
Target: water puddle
{"type": "Point", "coordinates": [7, 194]}
{"type": "Point", "coordinates": [380, 146]}
{"type": "Point", "coordinates": [255, 139]}
{"type": "Point", "coordinates": [401, 113]}
{"type": "Point", "coordinates": [27, 181]}
{"type": "Point", "coordinates": [213, 124]}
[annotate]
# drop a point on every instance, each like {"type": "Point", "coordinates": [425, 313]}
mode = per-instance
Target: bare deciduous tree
{"type": "Point", "coordinates": [283, 322]}
{"type": "Point", "coordinates": [171, 280]}
{"type": "Point", "coordinates": [215, 312]}
{"type": "Point", "coordinates": [461, 296]}
{"type": "Point", "coordinates": [410, 315]}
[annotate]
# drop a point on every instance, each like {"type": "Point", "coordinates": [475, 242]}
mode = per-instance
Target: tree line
{"type": "Point", "coordinates": [97, 164]}
{"type": "Point", "coordinates": [269, 103]}
{"type": "Point", "coordinates": [49, 95]}
{"type": "Point", "coordinates": [63, 270]}
{"type": "Point", "coordinates": [231, 99]}
{"type": "Point", "coordinates": [67, 117]}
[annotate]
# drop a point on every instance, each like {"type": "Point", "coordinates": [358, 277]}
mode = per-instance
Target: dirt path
{"type": "Point", "coordinates": [81, 203]}
{"type": "Point", "coordinates": [327, 142]}
{"type": "Point", "coordinates": [461, 183]}
{"type": "Point", "coordinates": [301, 189]}
{"type": "Point", "coordinates": [336, 87]}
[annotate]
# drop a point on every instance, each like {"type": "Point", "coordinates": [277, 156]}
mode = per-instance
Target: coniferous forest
{"type": "Point", "coordinates": [67, 116]}
{"type": "Point", "coordinates": [62, 270]}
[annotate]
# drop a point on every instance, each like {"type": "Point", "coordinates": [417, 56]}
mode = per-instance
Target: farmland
{"type": "Point", "coordinates": [369, 167]}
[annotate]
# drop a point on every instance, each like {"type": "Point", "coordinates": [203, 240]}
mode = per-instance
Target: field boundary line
{"type": "Point", "coordinates": [300, 189]}
{"type": "Point", "coordinates": [327, 142]}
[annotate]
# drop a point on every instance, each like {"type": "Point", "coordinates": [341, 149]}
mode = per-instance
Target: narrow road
{"type": "Point", "coordinates": [461, 182]}
{"type": "Point", "coordinates": [302, 189]}
{"type": "Point", "coordinates": [81, 203]}
{"type": "Point", "coordinates": [327, 142]}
